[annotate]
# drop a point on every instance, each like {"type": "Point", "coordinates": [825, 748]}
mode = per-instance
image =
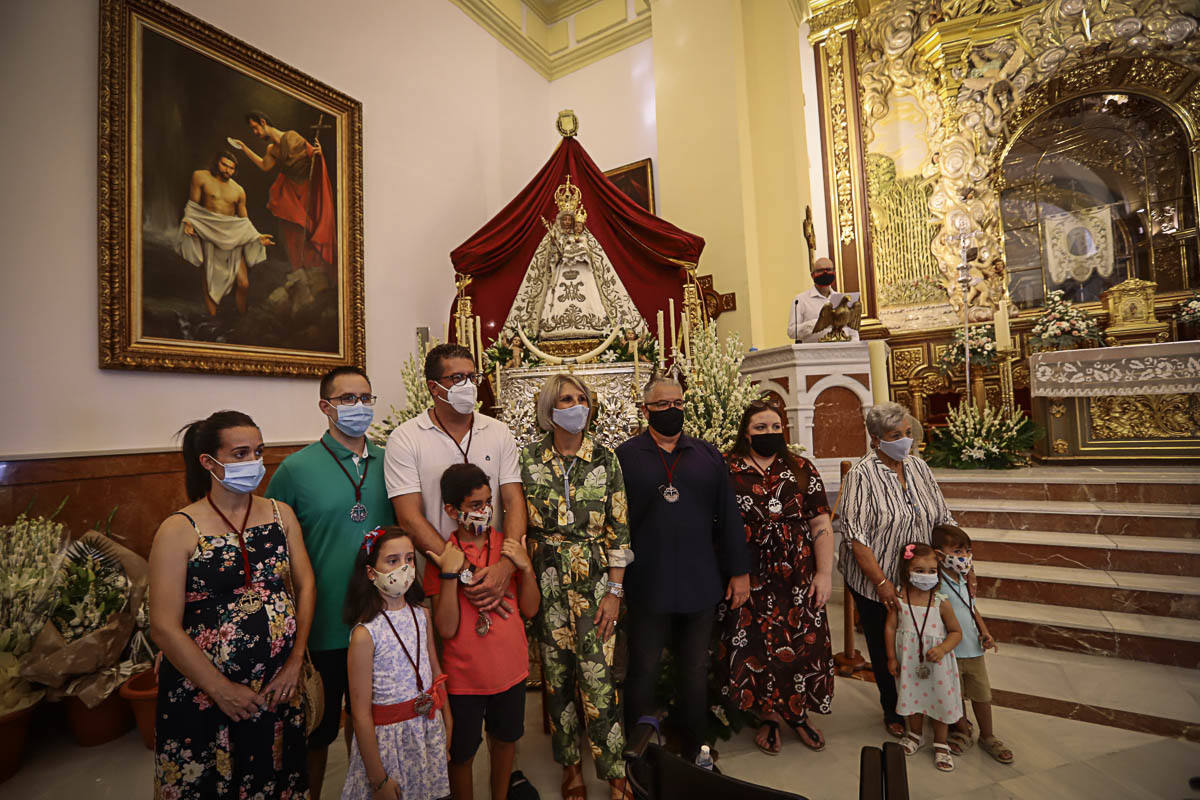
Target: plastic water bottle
{"type": "Point", "coordinates": [704, 760]}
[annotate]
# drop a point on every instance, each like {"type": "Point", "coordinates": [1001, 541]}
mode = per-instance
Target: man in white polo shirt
{"type": "Point", "coordinates": [450, 432]}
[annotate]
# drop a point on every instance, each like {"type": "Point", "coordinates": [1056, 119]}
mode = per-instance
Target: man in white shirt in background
{"type": "Point", "coordinates": [806, 308]}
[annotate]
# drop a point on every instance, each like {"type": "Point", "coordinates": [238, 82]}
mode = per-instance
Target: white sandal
{"type": "Point", "coordinates": [942, 758]}
{"type": "Point", "coordinates": [911, 743]}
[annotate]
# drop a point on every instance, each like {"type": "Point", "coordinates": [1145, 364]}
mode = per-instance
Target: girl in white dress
{"type": "Point", "coordinates": [921, 634]}
{"type": "Point", "coordinates": [395, 682]}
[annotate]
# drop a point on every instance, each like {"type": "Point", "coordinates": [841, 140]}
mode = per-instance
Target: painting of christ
{"type": "Point", "coordinates": [238, 244]}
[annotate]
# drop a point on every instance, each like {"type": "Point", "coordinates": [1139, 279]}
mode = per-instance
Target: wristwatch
{"type": "Point", "coordinates": [448, 576]}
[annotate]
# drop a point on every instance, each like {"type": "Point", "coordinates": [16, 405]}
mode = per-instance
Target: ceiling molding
{"type": "Point", "coordinates": [552, 66]}
{"type": "Point", "coordinates": [551, 11]}
{"type": "Point", "coordinates": [800, 10]}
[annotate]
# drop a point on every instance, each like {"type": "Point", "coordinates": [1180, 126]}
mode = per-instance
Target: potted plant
{"type": "Point", "coordinates": [1062, 326]}
{"type": "Point", "coordinates": [1189, 318]}
{"type": "Point", "coordinates": [30, 555]}
{"type": "Point", "coordinates": [79, 654]}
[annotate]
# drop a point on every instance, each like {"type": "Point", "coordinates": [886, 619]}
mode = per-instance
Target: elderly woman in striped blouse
{"type": "Point", "coordinates": [889, 497]}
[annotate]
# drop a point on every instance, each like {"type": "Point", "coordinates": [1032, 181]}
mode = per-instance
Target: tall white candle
{"type": "Point", "coordinates": [662, 350]}
{"type": "Point", "coordinates": [1003, 334]}
{"type": "Point", "coordinates": [687, 327]}
{"type": "Point", "coordinates": [671, 312]}
{"type": "Point", "coordinates": [478, 343]}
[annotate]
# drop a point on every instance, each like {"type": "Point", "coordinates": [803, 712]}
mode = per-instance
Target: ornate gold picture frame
{"type": "Point", "coordinates": [230, 204]}
{"type": "Point", "coordinates": [636, 181]}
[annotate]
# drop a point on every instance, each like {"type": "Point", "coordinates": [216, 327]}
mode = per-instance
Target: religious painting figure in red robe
{"type": "Point", "coordinates": [301, 197]}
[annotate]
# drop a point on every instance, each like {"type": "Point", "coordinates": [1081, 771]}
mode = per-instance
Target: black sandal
{"type": "Point", "coordinates": [812, 735]}
{"type": "Point", "coordinates": [772, 737]}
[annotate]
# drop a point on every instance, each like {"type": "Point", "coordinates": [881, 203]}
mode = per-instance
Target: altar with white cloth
{"type": "Point", "coordinates": [1137, 402]}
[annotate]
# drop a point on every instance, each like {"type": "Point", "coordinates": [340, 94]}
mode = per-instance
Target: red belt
{"type": "Point", "coordinates": [399, 712]}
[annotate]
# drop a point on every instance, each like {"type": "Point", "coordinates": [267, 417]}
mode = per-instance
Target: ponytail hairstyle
{"type": "Point", "coordinates": [908, 553]}
{"type": "Point", "coordinates": [363, 602]}
{"type": "Point", "coordinates": [203, 437]}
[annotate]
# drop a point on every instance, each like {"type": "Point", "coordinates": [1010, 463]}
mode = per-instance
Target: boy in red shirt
{"type": "Point", "coordinates": [485, 657]}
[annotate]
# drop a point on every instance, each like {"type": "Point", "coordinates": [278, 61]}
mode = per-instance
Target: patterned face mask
{"type": "Point", "coordinates": [477, 522]}
{"type": "Point", "coordinates": [396, 582]}
{"type": "Point", "coordinates": [960, 564]}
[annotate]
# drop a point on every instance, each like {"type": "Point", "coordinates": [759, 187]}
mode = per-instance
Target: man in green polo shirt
{"type": "Point", "coordinates": [336, 488]}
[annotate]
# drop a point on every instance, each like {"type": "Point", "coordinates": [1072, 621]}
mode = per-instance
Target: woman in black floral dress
{"type": "Point", "coordinates": [774, 657]}
{"type": "Point", "coordinates": [230, 705]}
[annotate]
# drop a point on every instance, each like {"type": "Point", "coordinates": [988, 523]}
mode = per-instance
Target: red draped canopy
{"type": "Point", "coordinates": [648, 253]}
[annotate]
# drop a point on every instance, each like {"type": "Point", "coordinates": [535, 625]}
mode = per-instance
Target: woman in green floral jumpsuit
{"type": "Point", "coordinates": [580, 542]}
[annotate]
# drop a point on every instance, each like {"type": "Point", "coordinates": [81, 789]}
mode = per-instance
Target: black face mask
{"type": "Point", "coordinates": [767, 444]}
{"type": "Point", "coordinates": [667, 422]}
{"type": "Point", "coordinates": [824, 279]}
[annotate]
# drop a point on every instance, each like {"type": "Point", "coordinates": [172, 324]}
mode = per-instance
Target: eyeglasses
{"type": "Point", "coordinates": [663, 405]}
{"type": "Point", "coordinates": [349, 399]}
{"type": "Point", "coordinates": [459, 378]}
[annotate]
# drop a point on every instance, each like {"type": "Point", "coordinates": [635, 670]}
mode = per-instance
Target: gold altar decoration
{"type": "Point", "coordinates": [1131, 319]}
{"type": "Point", "coordinates": [1145, 416]}
{"type": "Point", "coordinates": [979, 70]}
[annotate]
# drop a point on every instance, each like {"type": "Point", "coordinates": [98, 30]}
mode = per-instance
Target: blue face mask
{"type": "Point", "coordinates": [354, 420]}
{"type": "Point", "coordinates": [242, 477]}
{"type": "Point", "coordinates": [571, 420]}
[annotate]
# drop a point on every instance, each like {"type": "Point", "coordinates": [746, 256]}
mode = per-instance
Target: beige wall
{"type": "Point", "coordinates": [454, 126]}
{"type": "Point", "coordinates": [734, 155]}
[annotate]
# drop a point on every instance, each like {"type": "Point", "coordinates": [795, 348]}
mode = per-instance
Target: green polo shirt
{"type": "Point", "coordinates": [310, 481]}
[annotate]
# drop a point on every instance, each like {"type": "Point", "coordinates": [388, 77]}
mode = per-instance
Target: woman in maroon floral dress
{"type": "Point", "coordinates": [774, 656]}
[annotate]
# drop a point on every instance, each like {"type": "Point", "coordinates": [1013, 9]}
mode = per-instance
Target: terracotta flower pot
{"type": "Point", "coordinates": [99, 725]}
{"type": "Point", "coordinates": [14, 731]}
{"type": "Point", "coordinates": [141, 691]}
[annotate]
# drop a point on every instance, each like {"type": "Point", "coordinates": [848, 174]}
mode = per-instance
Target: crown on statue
{"type": "Point", "coordinates": [568, 198]}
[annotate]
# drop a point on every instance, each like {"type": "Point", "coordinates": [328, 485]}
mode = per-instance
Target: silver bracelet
{"type": "Point", "coordinates": [616, 589]}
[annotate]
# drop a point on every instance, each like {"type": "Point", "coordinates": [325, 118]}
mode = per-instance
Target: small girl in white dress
{"type": "Point", "coordinates": [921, 635]}
{"type": "Point", "coordinates": [396, 689]}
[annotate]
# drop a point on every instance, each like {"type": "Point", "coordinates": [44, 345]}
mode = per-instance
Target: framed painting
{"type": "Point", "coordinates": [636, 180]}
{"type": "Point", "coordinates": [230, 216]}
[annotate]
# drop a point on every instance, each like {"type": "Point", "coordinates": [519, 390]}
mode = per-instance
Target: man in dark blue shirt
{"type": "Point", "coordinates": [690, 547]}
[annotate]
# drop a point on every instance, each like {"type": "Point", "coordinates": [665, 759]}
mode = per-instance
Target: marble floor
{"type": "Point", "coordinates": [1056, 758]}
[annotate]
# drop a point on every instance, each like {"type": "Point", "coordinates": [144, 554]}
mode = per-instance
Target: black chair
{"type": "Point", "coordinates": [655, 774]}
{"type": "Point", "coordinates": [882, 773]}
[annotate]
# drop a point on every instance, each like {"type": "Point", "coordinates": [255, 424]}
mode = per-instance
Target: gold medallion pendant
{"type": "Point", "coordinates": [483, 624]}
{"type": "Point", "coordinates": [249, 603]}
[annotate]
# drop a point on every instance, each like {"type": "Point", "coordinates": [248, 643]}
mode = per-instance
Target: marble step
{"type": "Point", "coordinates": [1147, 554]}
{"type": "Point", "coordinates": [1103, 517]}
{"type": "Point", "coordinates": [1128, 484]}
{"type": "Point", "coordinates": [1139, 637]}
{"type": "Point", "coordinates": [1175, 596]}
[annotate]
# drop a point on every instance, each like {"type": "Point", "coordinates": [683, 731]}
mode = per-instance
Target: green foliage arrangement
{"type": "Point", "coordinates": [94, 587]}
{"type": "Point", "coordinates": [988, 439]}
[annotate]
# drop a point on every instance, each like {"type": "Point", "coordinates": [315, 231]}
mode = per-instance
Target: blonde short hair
{"type": "Point", "coordinates": [548, 398]}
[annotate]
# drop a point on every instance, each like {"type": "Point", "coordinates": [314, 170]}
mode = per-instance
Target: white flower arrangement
{"type": "Point", "coordinates": [988, 439]}
{"type": "Point", "coordinates": [1189, 310]}
{"type": "Point", "coordinates": [416, 397]}
{"type": "Point", "coordinates": [717, 392]}
{"type": "Point", "coordinates": [982, 343]}
{"type": "Point", "coordinates": [1063, 326]}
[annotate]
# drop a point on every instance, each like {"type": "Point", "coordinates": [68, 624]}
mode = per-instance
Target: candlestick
{"type": "Point", "coordinates": [1003, 335]}
{"type": "Point", "coordinates": [671, 312]}
{"type": "Point", "coordinates": [662, 350]}
{"type": "Point", "coordinates": [479, 342]}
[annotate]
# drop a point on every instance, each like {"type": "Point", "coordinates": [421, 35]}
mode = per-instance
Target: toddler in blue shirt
{"type": "Point", "coordinates": [953, 548]}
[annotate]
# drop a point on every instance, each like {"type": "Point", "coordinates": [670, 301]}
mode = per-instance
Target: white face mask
{"type": "Point", "coordinates": [477, 522]}
{"type": "Point", "coordinates": [396, 582]}
{"type": "Point", "coordinates": [462, 398]}
{"type": "Point", "coordinates": [897, 450]}
{"type": "Point", "coordinates": [923, 581]}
